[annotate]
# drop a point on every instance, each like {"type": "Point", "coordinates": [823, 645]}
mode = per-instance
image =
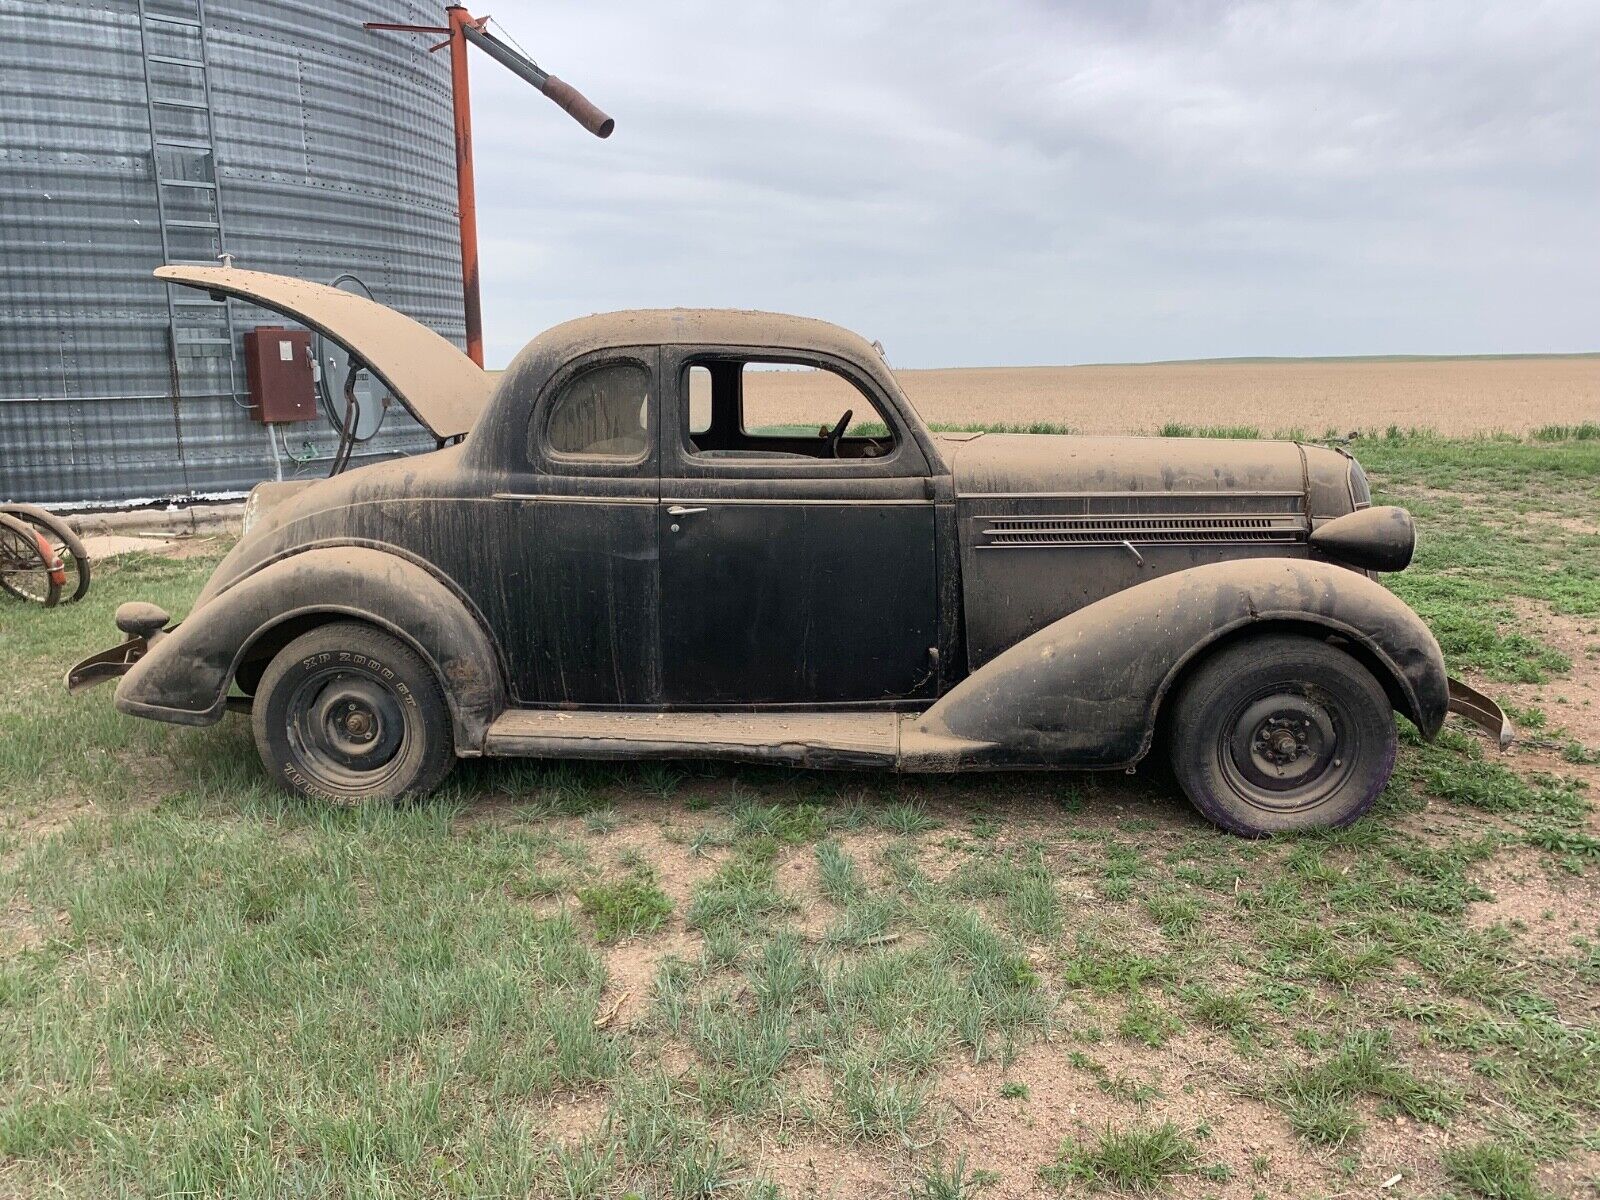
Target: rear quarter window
{"type": "Point", "coordinates": [601, 412]}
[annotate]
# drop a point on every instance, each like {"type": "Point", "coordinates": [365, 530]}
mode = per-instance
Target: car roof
{"type": "Point", "coordinates": [697, 327]}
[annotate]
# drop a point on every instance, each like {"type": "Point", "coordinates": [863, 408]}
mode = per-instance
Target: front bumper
{"type": "Point", "coordinates": [1481, 711]}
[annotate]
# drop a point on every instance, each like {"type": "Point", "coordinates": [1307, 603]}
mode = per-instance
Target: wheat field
{"type": "Point", "coordinates": [1452, 396]}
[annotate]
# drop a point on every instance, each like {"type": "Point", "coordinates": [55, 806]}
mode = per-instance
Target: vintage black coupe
{"type": "Point", "coordinates": [631, 547]}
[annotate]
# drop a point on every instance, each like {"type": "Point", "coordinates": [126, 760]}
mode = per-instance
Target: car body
{"type": "Point", "coordinates": [607, 558]}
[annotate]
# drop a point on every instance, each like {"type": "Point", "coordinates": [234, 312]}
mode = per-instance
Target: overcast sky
{"type": "Point", "coordinates": [1028, 182]}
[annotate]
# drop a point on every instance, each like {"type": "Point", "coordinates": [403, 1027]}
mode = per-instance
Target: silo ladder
{"type": "Point", "coordinates": [188, 199]}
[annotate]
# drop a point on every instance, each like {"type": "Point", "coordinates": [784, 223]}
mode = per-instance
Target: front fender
{"type": "Point", "coordinates": [1086, 690]}
{"type": "Point", "coordinates": [186, 675]}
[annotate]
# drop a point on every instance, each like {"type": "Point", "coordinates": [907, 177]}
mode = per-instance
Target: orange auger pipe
{"type": "Point", "coordinates": [464, 28]}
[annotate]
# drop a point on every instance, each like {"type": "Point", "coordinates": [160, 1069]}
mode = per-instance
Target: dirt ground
{"type": "Point", "coordinates": [1451, 396]}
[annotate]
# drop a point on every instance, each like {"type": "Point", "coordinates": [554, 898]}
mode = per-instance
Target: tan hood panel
{"type": "Point", "coordinates": [1044, 464]}
{"type": "Point", "coordinates": [438, 384]}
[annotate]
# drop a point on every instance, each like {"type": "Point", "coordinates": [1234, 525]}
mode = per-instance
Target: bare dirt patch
{"type": "Point", "coordinates": [1016, 1137]}
{"type": "Point", "coordinates": [570, 1118]}
{"type": "Point", "coordinates": [631, 968]}
{"type": "Point", "coordinates": [1546, 906]}
{"type": "Point", "coordinates": [24, 827]}
{"type": "Point", "coordinates": [1570, 702]}
{"type": "Point", "coordinates": [679, 868]}
{"type": "Point", "coordinates": [811, 1169]}
{"type": "Point", "coordinates": [23, 928]}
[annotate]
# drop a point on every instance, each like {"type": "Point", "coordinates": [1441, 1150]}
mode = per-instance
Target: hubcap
{"type": "Point", "coordinates": [1282, 750]}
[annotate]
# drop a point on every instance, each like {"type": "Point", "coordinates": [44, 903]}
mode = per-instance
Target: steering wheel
{"type": "Point", "coordinates": [837, 432]}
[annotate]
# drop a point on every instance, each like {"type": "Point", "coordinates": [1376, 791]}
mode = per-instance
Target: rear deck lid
{"type": "Point", "coordinates": [438, 385]}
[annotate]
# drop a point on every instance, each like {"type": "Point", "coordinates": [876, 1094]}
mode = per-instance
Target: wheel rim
{"type": "Point", "coordinates": [73, 587]}
{"type": "Point", "coordinates": [68, 551]}
{"type": "Point", "coordinates": [1287, 747]}
{"type": "Point", "coordinates": [348, 731]}
{"type": "Point", "coordinates": [24, 570]}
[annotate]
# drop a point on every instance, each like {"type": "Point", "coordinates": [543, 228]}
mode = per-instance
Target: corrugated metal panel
{"type": "Point", "coordinates": [332, 154]}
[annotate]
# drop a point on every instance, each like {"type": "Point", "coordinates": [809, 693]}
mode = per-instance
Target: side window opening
{"type": "Point", "coordinates": [699, 392]}
{"type": "Point", "coordinates": [602, 412]}
{"type": "Point", "coordinates": [755, 408]}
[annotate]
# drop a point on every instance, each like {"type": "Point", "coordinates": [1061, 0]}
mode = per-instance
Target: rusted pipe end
{"type": "Point", "coordinates": [578, 107]}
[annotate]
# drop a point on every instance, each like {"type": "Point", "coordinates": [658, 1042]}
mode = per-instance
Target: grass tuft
{"type": "Point", "coordinates": [1492, 1170]}
{"type": "Point", "coordinates": [630, 906]}
{"type": "Point", "coordinates": [1139, 1159]}
{"type": "Point", "coordinates": [952, 1181]}
{"type": "Point", "coordinates": [1319, 1099]}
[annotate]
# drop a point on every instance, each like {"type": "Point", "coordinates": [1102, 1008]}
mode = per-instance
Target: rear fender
{"type": "Point", "coordinates": [1087, 689]}
{"type": "Point", "coordinates": [186, 675]}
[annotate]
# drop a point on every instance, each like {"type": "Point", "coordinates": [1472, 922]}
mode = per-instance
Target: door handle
{"type": "Point", "coordinates": [678, 510]}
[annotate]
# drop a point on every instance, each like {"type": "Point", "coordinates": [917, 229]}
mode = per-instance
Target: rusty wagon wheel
{"type": "Point", "coordinates": [29, 569]}
{"type": "Point", "coordinates": [68, 547]}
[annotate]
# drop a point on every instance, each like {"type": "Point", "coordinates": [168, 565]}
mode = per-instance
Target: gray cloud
{"type": "Point", "coordinates": [1022, 182]}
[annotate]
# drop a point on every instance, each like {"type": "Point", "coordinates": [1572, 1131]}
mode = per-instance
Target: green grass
{"type": "Point", "coordinates": [1320, 1098]}
{"type": "Point", "coordinates": [743, 895]}
{"type": "Point", "coordinates": [1588, 431]}
{"type": "Point", "coordinates": [1175, 429]}
{"type": "Point", "coordinates": [954, 1181]}
{"type": "Point", "coordinates": [209, 989]}
{"type": "Point", "coordinates": [1138, 1159]}
{"type": "Point", "coordinates": [1493, 1171]}
{"type": "Point", "coordinates": [626, 907]}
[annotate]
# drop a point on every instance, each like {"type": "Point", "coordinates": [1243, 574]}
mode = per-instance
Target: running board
{"type": "Point", "coordinates": [809, 739]}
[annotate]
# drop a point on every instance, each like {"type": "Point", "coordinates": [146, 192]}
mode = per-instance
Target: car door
{"type": "Point", "coordinates": [578, 581]}
{"type": "Point", "coordinates": [786, 578]}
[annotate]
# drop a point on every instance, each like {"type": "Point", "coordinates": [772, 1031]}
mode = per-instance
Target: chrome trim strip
{"type": "Point", "coordinates": [708, 500]}
{"type": "Point", "coordinates": [1153, 494]}
{"type": "Point", "coordinates": [700, 500]}
{"type": "Point", "coordinates": [577, 499]}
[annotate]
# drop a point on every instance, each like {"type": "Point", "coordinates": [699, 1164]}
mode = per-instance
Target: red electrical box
{"type": "Point", "coordinates": [277, 364]}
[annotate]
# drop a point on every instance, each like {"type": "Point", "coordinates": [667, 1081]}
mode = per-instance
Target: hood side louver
{"type": "Point", "coordinates": [1145, 528]}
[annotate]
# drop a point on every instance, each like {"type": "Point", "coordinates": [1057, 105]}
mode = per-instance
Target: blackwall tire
{"type": "Point", "coordinates": [1282, 733]}
{"type": "Point", "coordinates": [349, 715]}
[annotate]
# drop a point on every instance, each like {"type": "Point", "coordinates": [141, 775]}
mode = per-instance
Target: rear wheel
{"type": "Point", "coordinates": [1281, 733]}
{"type": "Point", "coordinates": [348, 715]}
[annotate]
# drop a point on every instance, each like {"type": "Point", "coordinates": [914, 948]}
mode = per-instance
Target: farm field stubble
{"type": "Point", "coordinates": [1451, 396]}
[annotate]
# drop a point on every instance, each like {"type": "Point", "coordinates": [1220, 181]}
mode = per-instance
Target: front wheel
{"type": "Point", "coordinates": [347, 714]}
{"type": "Point", "coordinates": [1280, 733]}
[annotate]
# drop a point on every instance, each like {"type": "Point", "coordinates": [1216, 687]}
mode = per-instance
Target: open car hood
{"type": "Point", "coordinates": [439, 385]}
